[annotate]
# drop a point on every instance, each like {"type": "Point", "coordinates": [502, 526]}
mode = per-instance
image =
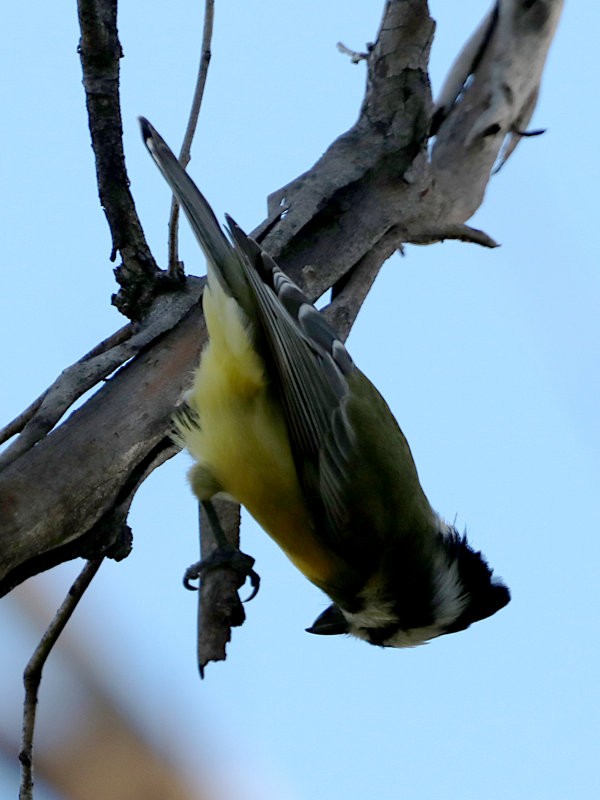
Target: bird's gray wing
{"type": "Point", "coordinates": [311, 367]}
{"type": "Point", "coordinates": [308, 366]}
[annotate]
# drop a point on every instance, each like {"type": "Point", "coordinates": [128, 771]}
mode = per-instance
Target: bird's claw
{"type": "Point", "coordinates": [241, 563]}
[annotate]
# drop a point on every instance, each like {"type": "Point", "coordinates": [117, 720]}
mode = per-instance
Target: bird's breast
{"type": "Point", "coordinates": [241, 442]}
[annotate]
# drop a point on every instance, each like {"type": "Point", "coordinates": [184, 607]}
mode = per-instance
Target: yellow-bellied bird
{"type": "Point", "coordinates": [280, 419]}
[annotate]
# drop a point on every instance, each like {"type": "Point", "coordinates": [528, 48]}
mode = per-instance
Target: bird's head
{"type": "Point", "coordinates": [455, 588]}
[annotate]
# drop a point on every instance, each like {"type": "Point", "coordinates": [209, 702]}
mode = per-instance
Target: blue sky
{"type": "Point", "coordinates": [489, 359]}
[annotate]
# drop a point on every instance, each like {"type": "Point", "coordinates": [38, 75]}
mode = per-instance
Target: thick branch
{"type": "Point", "coordinates": [497, 103]}
{"type": "Point", "coordinates": [341, 205]}
{"type": "Point", "coordinates": [60, 491]}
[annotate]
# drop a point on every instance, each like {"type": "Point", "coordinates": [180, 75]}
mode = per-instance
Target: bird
{"type": "Point", "coordinates": [280, 419]}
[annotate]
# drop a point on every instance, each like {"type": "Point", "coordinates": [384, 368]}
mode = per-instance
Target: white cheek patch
{"type": "Point", "coordinates": [374, 615]}
{"type": "Point", "coordinates": [449, 599]}
{"type": "Point", "coordinates": [448, 603]}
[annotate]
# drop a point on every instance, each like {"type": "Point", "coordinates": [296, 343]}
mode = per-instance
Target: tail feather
{"type": "Point", "coordinates": [221, 256]}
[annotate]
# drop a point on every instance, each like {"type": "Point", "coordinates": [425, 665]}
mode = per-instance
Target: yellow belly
{"type": "Point", "coordinates": [241, 444]}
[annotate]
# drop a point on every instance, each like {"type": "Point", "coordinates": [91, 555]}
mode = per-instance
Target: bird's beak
{"type": "Point", "coordinates": [329, 623]}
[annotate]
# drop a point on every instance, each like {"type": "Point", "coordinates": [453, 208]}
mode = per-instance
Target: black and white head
{"type": "Point", "coordinates": [420, 600]}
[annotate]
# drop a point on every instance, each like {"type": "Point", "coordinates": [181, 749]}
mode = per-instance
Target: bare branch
{"type": "Point", "coordinates": [219, 604]}
{"type": "Point", "coordinates": [359, 188]}
{"type": "Point", "coordinates": [518, 130]}
{"type": "Point", "coordinates": [116, 338]}
{"type": "Point", "coordinates": [355, 56]}
{"type": "Point", "coordinates": [19, 422]}
{"type": "Point", "coordinates": [96, 365]}
{"type": "Point", "coordinates": [33, 671]}
{"type": "Point", "coordinates": [55, 497]}
{"type": "Point", "coordinates": [349, 294]}
{"type": "Point", "coordinates": [463, 233]}
{"type": "Point", "coordinates": [499, 99]}
{"type": "Point", "coordinates": [175, 266]}
{"type": "Point", "coordinates": [100, 51]}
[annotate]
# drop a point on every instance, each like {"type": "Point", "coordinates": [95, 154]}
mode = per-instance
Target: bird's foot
{"type": "Point", "coordinates": [228, 558]}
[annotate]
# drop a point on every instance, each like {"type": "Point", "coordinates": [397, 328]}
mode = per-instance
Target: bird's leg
{"type": "Point", "coordinates": [225, 555]}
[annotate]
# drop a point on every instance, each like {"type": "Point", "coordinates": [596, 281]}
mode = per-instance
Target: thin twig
{"type": "Point", "coordinates": [118, 337]}
{"type": "Point", "coordinates": [355, 56]}
{"type": "Point", "coordinates": [33, 671]}
{"type": "Point", "coordinates": [175, 268]}
{"type": "Point", "coordinates": [18, 423]}
{"type": "Point", "coordinates": [460, 232]}
{"type": "Point", "coordinates": [43, 414]}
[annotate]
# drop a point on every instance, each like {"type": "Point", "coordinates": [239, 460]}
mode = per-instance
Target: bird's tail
{"type": "Point", "coordinates": [222, 258]}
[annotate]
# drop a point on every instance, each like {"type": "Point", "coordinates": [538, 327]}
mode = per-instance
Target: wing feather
{"type": "Point", "coordinates": [309, 366]}
{"type": "Point", "coordinates": [312, 366]}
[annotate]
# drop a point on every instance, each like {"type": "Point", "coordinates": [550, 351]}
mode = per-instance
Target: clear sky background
{"type": "Point", "coordinates": [489, 359]}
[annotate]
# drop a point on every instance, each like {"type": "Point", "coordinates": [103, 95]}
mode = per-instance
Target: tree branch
{"type": "Point", "coordinates": [33, 672]}
{"type": "Point", "coordinates": [497, 102]}
{"type": "Point", "coordinates": [55, 496]}
{"type": "Point", "coordinates": [105, 358]}
{"type": "Point", "coordinates": [175, 267]}
{"type": "Point", "coordinates": [219, 604]}
{"type": "Point", "coordinates": [18, 424]}
{"type": "Point", "coordinates": [100, 51]}
{"type": "Point", "coordinates": [462, 233]}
